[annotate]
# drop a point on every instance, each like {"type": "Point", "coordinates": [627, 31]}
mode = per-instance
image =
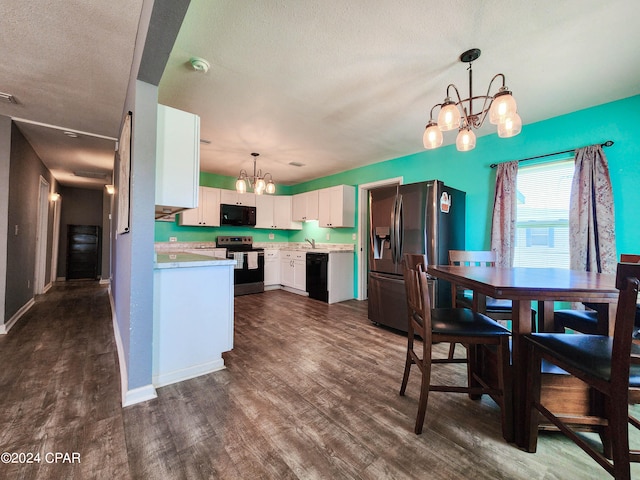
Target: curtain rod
{"type": "Point", "coordinates": [608, 143]}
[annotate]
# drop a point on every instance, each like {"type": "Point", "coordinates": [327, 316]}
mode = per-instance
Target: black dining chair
{"type": "Point", "coordinates": [460, 325]}
{"type": "Point", "coordinates": [496, 308]}
{"type": "Point", "coordinates": [609, 365]}
{"type": "Point", "coordinates": [586, 321]}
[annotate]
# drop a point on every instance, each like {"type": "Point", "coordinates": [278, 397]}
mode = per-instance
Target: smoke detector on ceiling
{"type": "Point", "coordinates": [199, 64]}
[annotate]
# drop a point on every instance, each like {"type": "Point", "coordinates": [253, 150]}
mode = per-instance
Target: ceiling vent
{"type": "Point", "coordinates": [81, 173]}
{"type": "Point", "coordinates": [7, 97]}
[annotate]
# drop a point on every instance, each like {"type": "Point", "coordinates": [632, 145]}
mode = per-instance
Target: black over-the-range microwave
{"type": "Point", "coordinates": [237, 215]}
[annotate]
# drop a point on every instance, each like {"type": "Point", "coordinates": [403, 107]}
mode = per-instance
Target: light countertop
{"type": "Point", "coordinates": [182, 259]}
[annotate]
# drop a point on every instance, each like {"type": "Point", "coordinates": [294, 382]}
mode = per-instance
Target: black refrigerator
{"type": "Point", "coordinates": [426, 218]}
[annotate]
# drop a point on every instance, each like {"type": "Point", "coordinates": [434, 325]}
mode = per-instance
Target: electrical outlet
{"type": "Point", "coordinates": [173, 239]}
{"type": "Point", "coordinates": [328, 236]}
{"type": "Point", "coordinates": [353, 236]}
{"type": "Point", "coordinates": [16, 230]}
{"type": "Point", "coordinates": [271, 236]}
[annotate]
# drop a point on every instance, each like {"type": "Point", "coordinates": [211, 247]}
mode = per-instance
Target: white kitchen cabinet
{"type": "Point", "coordinates": [336, 206]}
{"type": "Point", "coordinates": [293, 269]}
{"type": "Point", "coordinates": [207, 214]}
{"type": "Point", "coordinates": [271, 268]}
{"type": "Point", "coordinates": [340, 276]}
{"type": "Point", "coordinates": [231, 197]}
{"type": "Point", "coordinates": [177, 160]}
{"type": "Point", "coordinates": [274, 211]}
{"type": "Point", "coordinates": [305, 206]}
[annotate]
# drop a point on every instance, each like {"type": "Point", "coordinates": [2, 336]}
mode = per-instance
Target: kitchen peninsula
{"type": "Point", "coordinates": [192, 315]}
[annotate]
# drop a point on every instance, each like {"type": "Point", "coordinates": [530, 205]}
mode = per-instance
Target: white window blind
{"type": "Point", "coordinates": [542, 232]}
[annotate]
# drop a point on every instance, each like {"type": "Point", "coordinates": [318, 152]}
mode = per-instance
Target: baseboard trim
{"type": "Point", "coordinates": [136, 395]}
{"type": "Point", "coordinates": [295, 290]}
{"type": "Point", "coordinates": [176, 376]}
{"type": "Point", "coordinates": [139, 395]}
{"type": "Point", "coordinates": [5, 327]}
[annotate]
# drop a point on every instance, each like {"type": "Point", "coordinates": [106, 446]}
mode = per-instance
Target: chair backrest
{"type": "Point", "coordinates": [629, 258]}
{"type": "Point", "coordinates": [627, 281]}
{"type": "Point", "coordinates": [418, 302]}
{"type": "Point", "coordinates": [472, 258]}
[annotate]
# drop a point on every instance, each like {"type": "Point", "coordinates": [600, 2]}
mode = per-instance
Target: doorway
{"type": "Point", "coordinates": [83, 252]}
{"type": "Point", "coordinates": [41, 238]}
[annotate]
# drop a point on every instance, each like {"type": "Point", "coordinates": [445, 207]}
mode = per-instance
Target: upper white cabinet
{"type": "Point", "coordinates": [305, 206]}
{"type": "Point", "coordinates": [274, 211]}
{"type": "Point", "coordinates": [177, 160]}
{"type": "Point", "coordinates": [207, 214]}
{"type": "Point", "coordinates": [336, 206]}
{"type": "Point", "coordinates": [231, 197]}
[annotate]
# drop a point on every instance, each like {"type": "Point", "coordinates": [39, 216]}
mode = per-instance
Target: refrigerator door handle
{"type": "Point", "coordinates": [399, 224]}
{"type": "Point", "coordinates": [393, 230]}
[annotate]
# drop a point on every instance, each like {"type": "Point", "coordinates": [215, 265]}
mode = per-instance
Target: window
{"type": "Point", "coordinates": [542, 228]}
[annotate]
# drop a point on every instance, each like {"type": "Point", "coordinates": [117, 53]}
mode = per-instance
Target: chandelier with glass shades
{"type": "Point", "coordinates": [258, 182]}
{"type": "Point", "coordinates": [457, 113]}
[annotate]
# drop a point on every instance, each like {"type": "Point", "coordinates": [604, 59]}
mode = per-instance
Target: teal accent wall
{"type": "Point", "coordinates": [470, 172]}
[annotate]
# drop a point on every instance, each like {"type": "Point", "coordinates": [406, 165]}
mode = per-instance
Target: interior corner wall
{"type": "Point", "coordinates": [5, 160]}
{"type": "Point", "coordinates": [80, 206]}
{"type": "Point", "coordinates": [133, 252]}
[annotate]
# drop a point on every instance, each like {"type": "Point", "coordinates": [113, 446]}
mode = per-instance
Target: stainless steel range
{"type": "Point", "coordinates": [248, 276]}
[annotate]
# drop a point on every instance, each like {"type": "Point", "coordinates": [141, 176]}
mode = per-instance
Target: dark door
{"type": "Point", "coordinates": [83, 252]}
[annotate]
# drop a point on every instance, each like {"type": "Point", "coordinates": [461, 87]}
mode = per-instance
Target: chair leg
{"type": "Point", "coordinates": [424, 390]}
{"type": "Point", "coordinates": [452, 350]}
{"type": "Point", "coordinates": [619, 435]}
{"type": "Point", "coordinates": [407, 364]}
{"type": "Point", "coordinates": [534, 375]}
{"type": "Point", "coordinates": [473, 361]}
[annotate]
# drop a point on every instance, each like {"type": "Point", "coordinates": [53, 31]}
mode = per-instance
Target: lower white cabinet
{"type": "Point", "coordinates": [293, 269]}
{"type": "Point", "coordinates": [271, 268]}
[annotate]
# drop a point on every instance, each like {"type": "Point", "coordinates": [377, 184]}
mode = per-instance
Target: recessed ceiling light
{"type": "Point", "coordinates": [296, 164]}
{"type": "Point", "coordinates": [70, 134]}
{"type": "Point", "coordinates": [7, 97]}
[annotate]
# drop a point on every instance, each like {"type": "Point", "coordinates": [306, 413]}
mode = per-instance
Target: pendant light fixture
{"type": "Point", "coordinates": [458, 113]}
{"type": "Point", "coordinates": [258, 182]}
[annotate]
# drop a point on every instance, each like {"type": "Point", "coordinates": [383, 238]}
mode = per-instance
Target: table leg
{"type": "Point", "coordinates": [521, 325]}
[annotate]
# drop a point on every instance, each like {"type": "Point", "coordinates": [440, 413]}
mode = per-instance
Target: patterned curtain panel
{"type": "Point", "coordinates": [592, 244]}
{"type": "Point", "coordinates": [503, 225]}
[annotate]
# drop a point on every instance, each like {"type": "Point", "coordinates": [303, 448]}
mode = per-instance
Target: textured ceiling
{"type": "Point", "coordinates": [332, 85]}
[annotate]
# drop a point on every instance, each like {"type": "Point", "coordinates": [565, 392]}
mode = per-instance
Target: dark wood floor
{"type": "Point", "coordinates": [310, 391]}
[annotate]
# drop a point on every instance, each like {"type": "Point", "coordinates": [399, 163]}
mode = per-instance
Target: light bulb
{"type": "Point", "coordinates": [449, 116]}
{"type": "Point", "coordinates": [241, 185]}
{"type": "Point", "coordinates": [503, 106]}
{"type": "Point", "coordinates": [510, 127]}
{"type": "Point", "coordinates": [259, 186]}
{"type": "Point", "coordinates": [466, 140]}
{"type": "Point", "coordinates": [432, 136]}
{"type": "Point", "coordinates": [271, 187]}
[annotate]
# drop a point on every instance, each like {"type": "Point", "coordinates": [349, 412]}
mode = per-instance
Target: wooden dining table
{"type": "Point", "coordinates": [525, 285]}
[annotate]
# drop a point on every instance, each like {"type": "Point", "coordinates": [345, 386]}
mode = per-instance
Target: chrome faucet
{"type": "Point", "coordinates": [312, 242]}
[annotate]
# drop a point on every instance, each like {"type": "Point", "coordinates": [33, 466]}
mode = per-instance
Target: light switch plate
{"type": "Point", "coordinates": [328, 236]}
{"type": "Point", "coordinates": [173, 239]}
{"type": "Point", "coordinates": [271, 236]}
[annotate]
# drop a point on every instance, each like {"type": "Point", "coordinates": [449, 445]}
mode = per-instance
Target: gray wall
{"type": "Point", "coordinates": [80, 206]}
{"type": "Point", "coordinates": [24, 183]}
{"type": "Point", "coordinates": [5, 160]}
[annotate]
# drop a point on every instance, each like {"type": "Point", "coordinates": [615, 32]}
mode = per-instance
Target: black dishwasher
{"type": "Point", "coordinates": [317, 264]}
